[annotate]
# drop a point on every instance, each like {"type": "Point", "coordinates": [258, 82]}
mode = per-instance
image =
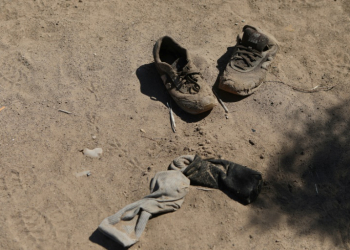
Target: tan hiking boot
{"type": "Point", "coordinates": [249, 62]}
{"type": "Point", "coordinates": [181, 78]}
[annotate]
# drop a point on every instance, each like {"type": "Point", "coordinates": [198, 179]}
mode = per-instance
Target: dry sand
{"type": "Point", "coordinates": [93, 58]}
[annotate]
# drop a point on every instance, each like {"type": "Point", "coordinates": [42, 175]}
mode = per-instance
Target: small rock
{"type": "Point", "coordinates": [143, 131]}
{"type": "Point", "coordinates": [84, 173]}
{"type": "Point", "coordinates": [251, 142]}
{"type": "Point", "coordinates": [94, 137]}
{"type": "Point", "coordinates": [261, 157]}
{"type": "Point", "coordinates": [236, 23]}
{"type": "Point", "coordinates": [94, 153]}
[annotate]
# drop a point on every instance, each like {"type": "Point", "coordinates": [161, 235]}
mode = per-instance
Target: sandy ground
{"type": "Point", "coordinates": [94, 59]}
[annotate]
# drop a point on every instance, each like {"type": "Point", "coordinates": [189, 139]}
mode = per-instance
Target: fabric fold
{"type": "Point", "coordinates": [168, 189]}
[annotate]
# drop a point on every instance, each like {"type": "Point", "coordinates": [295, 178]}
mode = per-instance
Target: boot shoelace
{"type": "Point", "coordinates": [189, 77]}
{"type": "Point", "coordinates": [247, 54]}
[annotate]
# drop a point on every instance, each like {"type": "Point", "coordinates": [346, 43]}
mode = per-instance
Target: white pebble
{"type": "Point", "coordinates": [84, 173]}
{"type": "Point", "coordinates": [95, 153]}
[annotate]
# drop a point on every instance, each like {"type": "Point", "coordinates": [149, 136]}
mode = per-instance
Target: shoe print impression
{"type": "Point", "coordinates": [249, 62]}
{"type": "Point", "coordinates": [181, 77]}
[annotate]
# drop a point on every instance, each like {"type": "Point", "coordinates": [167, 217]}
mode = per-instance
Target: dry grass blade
{"type": "Point", "coordinates": [205, 189]}
{"type": "Point", "coordinates": [64, 111]}
{"type": "Point", "coordinates": [172, 119]}
{"type": "Point", "coordinates": [149, 138]}
{"type": "Point", "coordinates": [220, 101]}
{"type": "Point", "coordinates": [312, 90]}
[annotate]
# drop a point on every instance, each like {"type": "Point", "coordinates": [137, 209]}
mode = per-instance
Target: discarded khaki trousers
{"type": "Point", "coordinates": [168, 189]}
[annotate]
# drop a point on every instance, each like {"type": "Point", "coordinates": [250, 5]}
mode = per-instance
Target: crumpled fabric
{"type": "Point", "coordinates": [168, 189]}
{"type": "Point", "coordinates": [242, 183]}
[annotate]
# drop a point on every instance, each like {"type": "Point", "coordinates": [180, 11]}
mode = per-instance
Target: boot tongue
{"type": "Point", "coordinates": [254, 39]}
{"type": "Point", "coordinates": [179, 64]}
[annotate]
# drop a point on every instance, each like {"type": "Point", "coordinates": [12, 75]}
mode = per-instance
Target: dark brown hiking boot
{"type": "Point", "coordinates": [181, 78]}
{"type": "Point", "coordinates": [249, 62]}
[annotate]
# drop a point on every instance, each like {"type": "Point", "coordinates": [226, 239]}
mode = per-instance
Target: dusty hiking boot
{"type": "Point", "coordinates": [181, 77]}
{"type": "Point", "coordinates": [250, 59]}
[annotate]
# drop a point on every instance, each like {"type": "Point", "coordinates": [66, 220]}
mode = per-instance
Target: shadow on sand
{"type": "Point", "coordinates": [310, 180]}
{"type": "Point", "coordinates": [102, 240]}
